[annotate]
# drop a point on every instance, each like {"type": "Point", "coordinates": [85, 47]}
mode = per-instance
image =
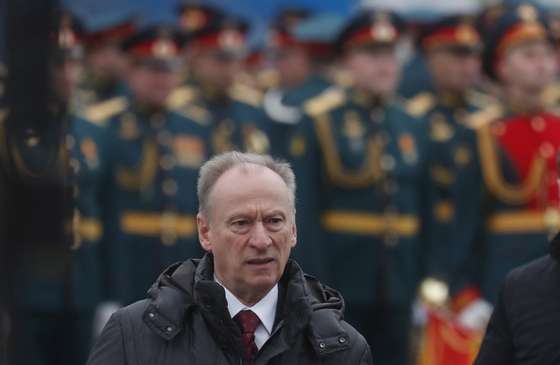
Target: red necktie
{"type": "Point", "coordinates": [248, 322]}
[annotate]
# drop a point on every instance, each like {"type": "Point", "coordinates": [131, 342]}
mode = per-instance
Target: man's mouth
{"type": "Point", "coordinates": [261, 261]}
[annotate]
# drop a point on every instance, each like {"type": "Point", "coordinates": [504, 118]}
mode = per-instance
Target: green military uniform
{"type": "Point", "coordinates": [363, 169]}
{"type": "Point", "coordinates": [151, 191]}
{"type": "Point", "coordinates": [514, 209]}
{"type": "Point", "coordinates": [365, 161]}
{"type": "Point", "coordinates": [237, 122]}
{"type": "Point", "coordinates": [453, 161]}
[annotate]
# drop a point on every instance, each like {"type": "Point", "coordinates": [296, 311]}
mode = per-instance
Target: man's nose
{"type": "Point", "coordinates": [259, 236]}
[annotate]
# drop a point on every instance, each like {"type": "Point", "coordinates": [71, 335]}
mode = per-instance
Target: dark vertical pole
{"type": "Point", "coordinates": [33, 200]}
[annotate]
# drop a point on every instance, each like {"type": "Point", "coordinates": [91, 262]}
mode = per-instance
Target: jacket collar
{"type": "Point", "coordinates": [303, 303]}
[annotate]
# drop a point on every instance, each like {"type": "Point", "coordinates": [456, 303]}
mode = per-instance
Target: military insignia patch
{"type": "Point", "coordinates": [440, 130]}
{"type": "Point", "coordinates": [129, 128]}
{"type": "Point", "coordinates": [256, 140]}
{"type": "Point", "coordinates": [407, 146]}
{"type": "Point", "coordinates": [189, 151]}
{"type": "Point", "coordinates": [353, 128]}
{"type": "Point", "coordinates": [89, 150]}
{"type": "Point", "coordinates": [462, 156]}
{"type": "Point", "coordinates": [297, 146]}
{"type": "Point", "coordinates": [221, 138]}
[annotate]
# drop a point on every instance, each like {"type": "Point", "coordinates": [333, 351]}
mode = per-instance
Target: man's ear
{"type": "Point", "coordinates": [203, 232]}
{"type": "Point", "coordinates": [294, 232]}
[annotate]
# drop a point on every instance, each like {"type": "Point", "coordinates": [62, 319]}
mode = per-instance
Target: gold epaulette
{"type": "Point", "coordinates": [195, 113]}
{"type": "Point", "coordinates": [327, 100]}
{"type": "Point", "coordinates": [419, 105]}
{"type": "Point", "coordinates": [268, 79]}
{"type": "Point", "coordinates": [180, 96]}
{"type": "Point", "coordinates": [480, 99]}
{"type": "Point", "coordinates": [101, 112]}
{"type": "Point", "coordinates": [247, 95]}
{"type": "Point", "coordinates": [485, 116]}
{"type": "Point", "coordinates": [343, 79]}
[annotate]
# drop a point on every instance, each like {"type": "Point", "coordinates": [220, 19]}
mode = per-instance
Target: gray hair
{"type": "Point", "coordinates": [211, 171]}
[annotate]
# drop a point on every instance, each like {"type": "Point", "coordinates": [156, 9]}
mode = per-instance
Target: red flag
{"type": "Point", "coordinates": [446, 342]}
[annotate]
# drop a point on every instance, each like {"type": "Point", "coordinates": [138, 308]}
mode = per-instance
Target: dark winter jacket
{"type": "Point", "coordinates": [185, 321]}
{"type": "Point", "coordinates": [525, 326]}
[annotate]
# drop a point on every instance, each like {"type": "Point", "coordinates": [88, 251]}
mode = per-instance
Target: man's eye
{"type": "Point", "coordinates": [240, 223]}
{"type": "Point", "coordinates": [275, 220]}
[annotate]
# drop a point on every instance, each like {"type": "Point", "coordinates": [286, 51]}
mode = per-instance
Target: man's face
{"type": "Point", "coordinates": [375, 70]}
{"type": "Point", "coordinates": [454, 70]}
{"type": "Point", "coordinates": [530, 66]}
{"type": "Point", "coordinates": [292, 64]}
{"type": "Point", "coordinates": [107, 62]}
{"type": "Point", "coordinates": [214, 69]}
{"type": "Point", "coordinates": [152, 85]}
{"type": "Point", "coordinates": [250, 230]}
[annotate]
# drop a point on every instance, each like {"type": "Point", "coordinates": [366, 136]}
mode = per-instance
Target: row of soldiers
{"type": "Point", "coordinates": [455, 183]}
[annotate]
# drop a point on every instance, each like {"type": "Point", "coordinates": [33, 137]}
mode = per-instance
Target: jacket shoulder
{"type": "Point", "coordinates": [420, 104]}
{"type": "Point", "coordinates": [101, 112]}
{"type": "Point", "coordinates": [180, 96]}
{"type": "Point", "coordinates": [329, 99]}
{"type": "Point", "coordinates": [247, 95]}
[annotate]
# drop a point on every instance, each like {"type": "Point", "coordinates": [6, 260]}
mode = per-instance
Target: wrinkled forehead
{"type": "Point", "coordinates": [246, 183]}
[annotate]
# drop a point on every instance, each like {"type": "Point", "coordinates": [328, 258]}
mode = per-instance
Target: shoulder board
{"type": "Point", "coordinates": [480, 99]}
{"type": "Point", "coordinates": [247, 95]}
{"type": "Point", "coordinates": [343, 79]}
{"type": "Point", "coordinates": [420, 104]}
{"type": "Point", "coordinates": [327, 100]}
{"type": "Point", "coordinates": [551, 96]}
{"type": "Point", "coordinates": [99, 113]}
{"type": "Point", "coordinates": [180, 96]}
{"type": "Point", "coordinates": [195, 113]}
{"type": "Point", "coordinates": [485, 116]}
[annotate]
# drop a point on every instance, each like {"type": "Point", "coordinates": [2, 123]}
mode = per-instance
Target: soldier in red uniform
{"type": "Point", "coordinates": [515, 209]}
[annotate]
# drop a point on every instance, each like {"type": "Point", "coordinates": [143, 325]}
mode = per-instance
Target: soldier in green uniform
{"type": "Point", "coordinates": [451, 47]}
{"type": "Point", "coordinates": [513, 205]}
{"type": "Point", "coordinates": [105, 62]}
{"type": "Point", "coordinates": [365, 156]}
{"type": "Point", "coordinates": [214, 54]}
{"type": "Point", "coordinates": [298, 56]}
{"type": "Point", "coordinates": [154, 152]}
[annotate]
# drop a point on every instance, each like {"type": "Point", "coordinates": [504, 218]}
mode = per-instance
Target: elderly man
{"type": "Point", "coordinates": [244, 302]}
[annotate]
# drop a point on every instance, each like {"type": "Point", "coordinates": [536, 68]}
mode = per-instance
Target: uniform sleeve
{"type": "Point", "coordinates": [109, 348]}
{"type": "Point", "coordinates": [497, 346]}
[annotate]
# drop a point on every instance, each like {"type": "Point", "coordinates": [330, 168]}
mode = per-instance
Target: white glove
{"type": "Point", "coordinates": [476, 315]}
{"type": "Point", "coordinates": [419, 313]}
{"type": "Point", "coordinates": [102, 314]}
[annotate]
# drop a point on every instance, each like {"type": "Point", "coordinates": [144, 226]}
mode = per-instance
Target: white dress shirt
{"type": "Point", "coordinates": [265, 309]}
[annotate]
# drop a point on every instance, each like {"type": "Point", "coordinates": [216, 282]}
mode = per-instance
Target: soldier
{"type": "Point", "coordinates": [214, 55]}
{"type": "Point", "coordinates": [516, 207]}
{"type": "Point", "coordinates": [154, 152]}
{"type": "Point", "coordinates": [297, 58]}
{"type": "Point", "coordinates": [105, 62]}
{"type": "Point", "coordinates": [451, 47]}
{"type": "Point", "coordinates": [364, 155]}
